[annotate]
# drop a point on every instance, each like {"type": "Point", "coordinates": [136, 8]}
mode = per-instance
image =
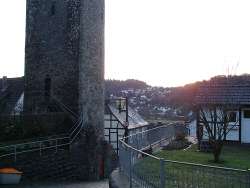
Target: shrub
{"type": "Point", "coordinates": [177, 145]}
{"type": "Point", "coordinates": [180, 136]}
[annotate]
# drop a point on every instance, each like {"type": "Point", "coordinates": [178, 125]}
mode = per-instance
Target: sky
{"type": "Point", "coordinates": [162, 42]}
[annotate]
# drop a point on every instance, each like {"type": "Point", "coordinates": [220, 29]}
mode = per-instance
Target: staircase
{"type": "Point", "coordinates": [42, 101]}
{"type": "Point", "coordinates": [52, 158]}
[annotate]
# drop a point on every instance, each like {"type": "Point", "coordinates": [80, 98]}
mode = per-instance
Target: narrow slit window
{"type": "Point", "coordinates": [53, 8]}
{"type": "Point", "coordinates": [47, 86]}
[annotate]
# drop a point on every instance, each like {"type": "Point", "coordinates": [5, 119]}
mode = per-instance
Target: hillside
{"type": "Point", "coordinates": [114, 86]}
{"type": "Point", "coordinates": [171, 103]}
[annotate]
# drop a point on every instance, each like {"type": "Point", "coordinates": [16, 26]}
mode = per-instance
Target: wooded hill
{"type": "Point", "coordinates": [148, 100]}
{"type": "Point", "coordinates": [114, 86]}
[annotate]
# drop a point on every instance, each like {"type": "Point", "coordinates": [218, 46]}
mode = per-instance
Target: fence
{"type": "Point", "coordinates": [149, 138]}
{"type": "Point", "coordinates": [149, 171]}
{"type": "Point", "coordinates": [42, 143]}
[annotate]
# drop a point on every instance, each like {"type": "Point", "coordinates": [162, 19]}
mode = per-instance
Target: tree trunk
{"type": "Point", "coordinates": [216, 147]}
{"type": "Point", "coordinates": [216, 157]}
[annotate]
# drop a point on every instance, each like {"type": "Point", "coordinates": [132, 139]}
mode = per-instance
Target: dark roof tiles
{"type": "Point", "coordinates": [135, 120]}
{"type": "Point", "coordinates": [223, 94]}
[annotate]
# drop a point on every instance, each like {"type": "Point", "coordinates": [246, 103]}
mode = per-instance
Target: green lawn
{"type": "Point", "coordinates": [231, 157]}
{"type": "Point", "coordinates": [185, 175]}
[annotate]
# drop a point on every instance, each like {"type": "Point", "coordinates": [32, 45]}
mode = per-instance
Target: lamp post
{"type": "Point", "coordinates": [120, 103]}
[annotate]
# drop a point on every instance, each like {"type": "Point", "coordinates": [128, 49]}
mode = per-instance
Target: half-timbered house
{"type": "Point", "coordinates": [115, 124]}
{"type": "Point", "coordinates": [235, 97]}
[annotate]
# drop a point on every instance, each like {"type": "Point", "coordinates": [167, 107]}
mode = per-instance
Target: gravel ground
{"type": "Point", "coordinates": [97, 184]}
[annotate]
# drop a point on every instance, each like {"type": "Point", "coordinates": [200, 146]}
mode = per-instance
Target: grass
{"type": "Point", "coordinates": [183, 175]}
{"type": "Point", "coordinates": [231, 157]}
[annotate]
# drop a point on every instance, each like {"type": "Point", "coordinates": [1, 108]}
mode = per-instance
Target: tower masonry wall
{"type": "Point", "coordinates": [65, 43]}
{"type": "Point", "coordinates": [52, 48]}
{"type": "Point", "coordinates": [91, 65]}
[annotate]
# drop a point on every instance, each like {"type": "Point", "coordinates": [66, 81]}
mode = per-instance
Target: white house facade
{"type": "Point", "coordinates": [235, 97]}
{"type": "Point", "coordinates": [245, 125]}
{"type": "Point", "coordinates": [192, 127]}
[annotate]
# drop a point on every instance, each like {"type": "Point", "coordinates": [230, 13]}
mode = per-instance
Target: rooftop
{"type": "Point", "coordinates": [135, 120]}
{"type": "Point", "coordinates": [223, 94]}
{"type": "Point", "coordinates": [11, 90]}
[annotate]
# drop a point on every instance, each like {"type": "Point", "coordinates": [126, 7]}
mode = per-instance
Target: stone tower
{"type": "Point", "coordinates": [64, 55]}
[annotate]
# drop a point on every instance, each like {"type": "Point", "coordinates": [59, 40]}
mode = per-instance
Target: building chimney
{"type": "Point", "coordinates": [4, 83]}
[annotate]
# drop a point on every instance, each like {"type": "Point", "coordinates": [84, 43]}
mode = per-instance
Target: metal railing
{"type": "Point", "coordinates": [42, 143]}
{"type": "Point", "coordinates": [26, 146]}
{"type": "Point", "coordinates": [75, 130]}
{"type": "Point", "coordinates": [149, 138]}
{"type": "Point", "coordinates": [180, 174]}
{"type": "Point", "coordinates": [44, 98]}
{"type": "Point", "coordinates": [150, 171]}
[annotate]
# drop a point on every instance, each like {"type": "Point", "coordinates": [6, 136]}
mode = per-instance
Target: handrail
{"type": "Point", "coordinates": [75, 125]}
{"type": "Point", "coordinates": [74, 131]}
{"type": "Point", "coordinates": [31, 139]}
{"type": "Point", "coordinates": [13, 146]}
{"type": "Point", "coordinates": [207, 166]}
{"type": "Point", "coordinates": [65, 106]}
{"type": "Point", "coordinates": [33, 145]}
{"type": "Point", "coordinates": [50, 97]}
{"type": "Point", "coordinates": [80, 123]}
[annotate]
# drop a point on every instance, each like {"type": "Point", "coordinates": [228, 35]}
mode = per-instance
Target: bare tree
{"type": "Point", "coordinates": [218, 113]}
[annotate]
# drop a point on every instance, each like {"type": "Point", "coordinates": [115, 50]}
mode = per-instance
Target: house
{"type": "Point", "coordinates": [236, 98]}
{"type": "Point", "coordinates": [115, 125]}
{"type": "Point", "coordinates": [11, 95]}
{"type": "Point", "coordinates": [192, 127]}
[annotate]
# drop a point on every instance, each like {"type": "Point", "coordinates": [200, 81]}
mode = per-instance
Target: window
{"type": "Point", "coordinates": [246, 113]}
{"type": "Point", "coordinates": [53, 8]}
{"type": "Point", "coordinates": [232, 116]}
{"type": "Point", "coordinates": [47, 87]}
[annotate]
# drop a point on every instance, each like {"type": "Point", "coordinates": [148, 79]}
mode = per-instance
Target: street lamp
{"type": "Point", "coordinates": [119, 104]}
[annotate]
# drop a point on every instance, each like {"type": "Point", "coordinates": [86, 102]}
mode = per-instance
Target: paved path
{"type": "Point", "coordinates": [98, 184]}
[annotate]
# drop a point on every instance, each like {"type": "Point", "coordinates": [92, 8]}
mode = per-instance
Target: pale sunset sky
{"type": "Point", "coordinates": [162, 42]}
